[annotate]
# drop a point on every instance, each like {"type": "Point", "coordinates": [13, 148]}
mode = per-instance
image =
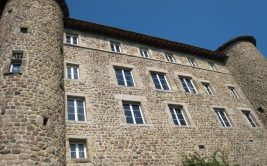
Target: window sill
{"type": "Point", "coordinates": [162, 90]}
{"type": "Point", "coordinates": [136, 125]}
{"type": "Point", "coordinates": [11, 74]}
{"type": "Point", "coordinates": [77, 122]}
{"type": "Point", "coordinates": [80, 160]}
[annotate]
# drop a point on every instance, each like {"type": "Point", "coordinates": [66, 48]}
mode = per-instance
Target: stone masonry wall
{"type": "Point", "coordinates": [110, 141]}
{"type": "Point", "coordinates": [26, 98]}
{"type": "Point", "coordinates": [249, 68]}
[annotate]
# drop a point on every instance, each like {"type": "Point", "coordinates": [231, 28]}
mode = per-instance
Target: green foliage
{"type": "Point", "coordinates": [218, 159]}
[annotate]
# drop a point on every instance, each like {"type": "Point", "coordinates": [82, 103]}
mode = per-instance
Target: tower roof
{"type": "Point", "coordinates": [61, 3]}
{"type": "Point", "coordinates": [235, 40]}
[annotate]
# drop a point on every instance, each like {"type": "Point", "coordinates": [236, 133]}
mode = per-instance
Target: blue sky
{"type": "Point", "coordinates": [203, 23]}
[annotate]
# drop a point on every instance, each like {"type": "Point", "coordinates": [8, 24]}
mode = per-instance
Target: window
{"type": "Point", "coordinates": [72, 39]}
{"type": "Point", "coordinates": [16, 62]}
{"type": "Point", "coordinates": [24, 30]}
{"type": "Point", "coordinates": [144, 52]}
{"type": "Point", "coordinates": [124, 77]}
{"type": "Point", "coordinates": [160, 81]}
{"type": "Point", "coordinates": [192, 62]}
{"type": "Point", "coordinates": [72, 72]}
{"type": "Point", "coordinates": [169, 57]}
{"type": "Point", "coordinates": [207, 88]}
{"type": "Point", "coordinates": [249, 118]}
{"type": "Point", "coordinates": [188, 85]}
{"type": "Point", "coordinates": [220, 112]}
{"type": "Point", "coordinates": [133, 113]}
{"type": "Point", "coordinates": [233, 92]}
{"type": "Point", "coordinates": [76, 109]}
{"type": "Point", "coordinates": [178, 115]}
{"type": "Point", "coordinates": [115, 47]}
{"type": "Point", "coordinates": [78, 150]}
{"type": "Point", "coordinates": [212, 66]}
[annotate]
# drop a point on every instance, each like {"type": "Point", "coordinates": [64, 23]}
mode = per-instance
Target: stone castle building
{"type": "Point", "coordinates": [81, 94]}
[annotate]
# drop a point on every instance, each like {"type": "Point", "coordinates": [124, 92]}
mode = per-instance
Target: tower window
{"type": "Point", "coordinates": [133, 113]}
{"type": "Point", "coordinates": [169, 57]}
{"type": "Point", "coordinates": [115, 47]}
{"type": "Point", "coordinates": [72, 39]}
{"type": "Point", "coordinates": [160, 81]}
{"type": "Point", "coordinates": [124, 77]}
{"type": "Point", "coordinates": [178, 116]}
{"type": "Point", "coordinates": [188, 85]}
{"type": "Point", "coordinates": [16, 62]}
{"type": "Point", "coordinates": [24, 30]}
{"type": "Point", "coordinates": [76, 109]}
{"type": "Point", "coordinates": [144, 52]}
{"type": "Point", "coordinates": [72, 72]}
{"type": "Point", "coordinates": [220, 112]}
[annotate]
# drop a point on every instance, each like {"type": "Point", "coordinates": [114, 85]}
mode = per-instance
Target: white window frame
{"type": "Point", "coordinates": [144, 52]}
{"type": "Point", "coordinates": [157, 74]}
{"type": "Point", "coordinates": [72, 66]}
{"type": "Point", "coordinates": [233, 92]}
{"type": "Point", "coordinates": [124, 77]}
{"type": "Point", "coordinates": [176, 116]}
{"type": "Point", "coordinates": [72, 38]}
{"type": "Point", "coordinates": [212, 66]}
{"type": "Point", "coordinates": [132, 112]}
{"type": "Point", "coordinates": [208, 88]}
{"type": "Point", "coordinates": [75, 109]}
{"type": "Point", "coordinates": [187, 84]}
{"type": "Point", "coordinates": [192, 62]}
{"type": "Point", "coordinates": [170, 57]}
{"type": "Point", "coordinates": [77, 150]}
{"type": "Point", "coordinates": [244, 112]}
{"type": "Point", "coordinates": [113, 45]}
{"type": "Point", "coordinates": [219, 117]}
{"type": "Point", "coordinates": [12, 66]}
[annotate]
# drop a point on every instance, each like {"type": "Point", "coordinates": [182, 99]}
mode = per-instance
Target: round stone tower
{"type": "Point", "coordinates": [31, 74]}
{"type": "Point", "coordinates": [249, 68]}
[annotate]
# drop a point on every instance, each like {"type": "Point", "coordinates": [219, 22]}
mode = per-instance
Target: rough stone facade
{"type": "Point", "coordinates": [28, 98]}
{"type": "Point", "coordinates": [38, 93]}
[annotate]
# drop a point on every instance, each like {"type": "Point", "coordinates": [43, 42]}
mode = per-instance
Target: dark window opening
{"type": "Point", "coordinates": [45, 121]}
{"type": "Point", "coordinates": [201, 146]}
{"type": "Point", "coordinates": [24, 30]}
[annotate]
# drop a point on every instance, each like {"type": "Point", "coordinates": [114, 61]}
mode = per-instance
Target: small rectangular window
{"type": "Point", "coordinates": [16, 62]}
{"type": "Point", "coordinates": [72, 39]}
{"type": "Point", "coordinates": [78, 150]}
{"type": "Point", "coordinates": [208, 88]}
{"type": "Point", "coordinates": [170, 57]}
{"type": "Point", "coordinates": [124, 77]}
{"type": "Point", "coordinates": [72, 72]}
{"type": "Point", "coordinates": [76, 109]}
{"type": "Point", "coordinates": [249, 118]}
{"type": "Point", "coordinates": [233, 92]}
{"type": "Point", "coordinates": [192, 62]}
{"type": "Point", "coordinates": [212, 66]}
{"type": "Point", "coordinates": [115, 47]}
{"type": "Point", "coordinates": [220, 112]}
{"type": "Point", "coordinates": [160, 81]}
{"type": "Point", "coordinates": [188, 84]}
{"type": "Point", "coordinates": [178, 116]}
{"type": "Point", "coordinates": [144, 52]}
{"type": "Point", "coordinates": [133, 113]}
{"type": "Point", "coordinates": [24, 30]}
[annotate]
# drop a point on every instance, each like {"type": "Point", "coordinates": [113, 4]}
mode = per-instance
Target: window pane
{"type": "Point", "coordinates": [16, 68]}
{"type": "Point", "coordinates": [139, 121]}
{"type": "Point", "coordinates": [68, 39]}
{"type": "Point", "coordinates": [163, 82]}
{"type": "Point", "coordinates": [117, 48]}
{"type": "Point", "coordinates": [69, 72]}
{"type": "Point", "coordinates": [129, 120]}
{"type": "Point", "coordinates": [190, 85]}
{"type": "Point", "coordinates": [129, 78]}
{"type": "Point", "coordinates": [75, 72]}
{"type": "Point", "coordinates": [156, 81]}
{"type": "Point", "coordinates": [119, 76]}
{"type": "Point", "coordinates": [184, 85]}
{"type": "Point", "coordinates": [75, 40]}
{"type": "Point", "coordinates": [72, 151]}
{"type": "Point", "coordinates": [71, 112]}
